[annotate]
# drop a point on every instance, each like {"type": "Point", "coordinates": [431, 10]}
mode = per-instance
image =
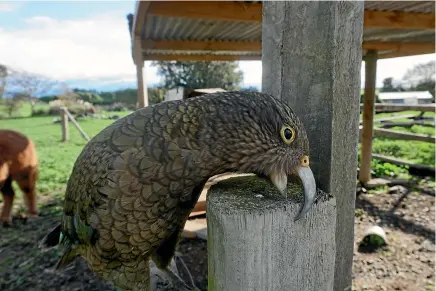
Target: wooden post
{"type": "Point", "coordinates": [255, 245]}
{"type": "Point", "coordinates": [311, 57]}
{"type": "Point", "coordinates": [140, 75]}
{"type": "Point", "coordinates": [368, 116]}
{"type": "Point", "coordinates": [64, 125]}
{"type": "Point", "coordinates": [73, 120]}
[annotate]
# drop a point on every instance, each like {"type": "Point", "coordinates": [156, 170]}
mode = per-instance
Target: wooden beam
{"type": "Point", "coordinates": [404, 107]}
{"type": "Point", "coordinates": [205, 57]}
{"type": "Point", "coordinates": [396, 161]}
{"type": "Point", "coordinates": [252, 12]}
{"type": "Point", "coordinates": [401, 136]}
{"type": "Point", "coordinates": [193, 45]}
{"type": "Point", "coordinates": [212, 10]}
{"type": "Point", "coordinates": [405, 47]}
{"type": "Point", "coordinates": [256, 46]}
{"type": "Point", "coordinates": [399, 54]}
{"type": "Point", "coordinates": [398, 20]}
{"type": "Point", "coordinates": [139, 17]}
{"type": "Point", "coordinates": [368, 116]}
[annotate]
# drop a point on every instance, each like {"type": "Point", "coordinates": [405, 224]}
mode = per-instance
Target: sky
{"type": "Point", "coordinates": [86, 44]}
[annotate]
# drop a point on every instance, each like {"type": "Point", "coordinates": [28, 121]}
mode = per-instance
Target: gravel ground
{"type": "Point", "coordinates": [406, 263]}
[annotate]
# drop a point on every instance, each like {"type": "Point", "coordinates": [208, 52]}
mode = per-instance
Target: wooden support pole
{"type": "Point", "coordinates": [254, 243]}
{"type": "Point", "coordinates": [312, 59]}
{"type": "Point", "coordinates": [140, 75]}
{"type": "Point", "coordinates": [64, 125]}
{"type": "Point", "coordinates": [368, 116]}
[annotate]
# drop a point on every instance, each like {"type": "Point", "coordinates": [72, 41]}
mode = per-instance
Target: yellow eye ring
{"type": "Point", "coordinates": [288, 134]}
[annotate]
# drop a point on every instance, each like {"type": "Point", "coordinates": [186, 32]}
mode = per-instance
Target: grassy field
{"type": "Point", "coordinates": [56, 157]}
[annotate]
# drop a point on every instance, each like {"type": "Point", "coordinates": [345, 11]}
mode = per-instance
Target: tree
{"type": "Point", "coordinates": [389, 86]}
{"type": "Point", "coordinates": [196, 75]}
{"type": "Point", "coordinates": [13, 104]}
{"type": "Point", "coordinates": [421, 77]}
{"type": "Point", "coordinates": [28, 85]}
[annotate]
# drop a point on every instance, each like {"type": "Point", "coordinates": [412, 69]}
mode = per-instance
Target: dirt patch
{"type": "Point", "coordinates": [406, 263]}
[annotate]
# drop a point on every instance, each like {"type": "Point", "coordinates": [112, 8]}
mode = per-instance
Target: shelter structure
{"type": "Point", "coordinates": [340, 35]}
{"type": "Point", "coordinates": [232, 30]}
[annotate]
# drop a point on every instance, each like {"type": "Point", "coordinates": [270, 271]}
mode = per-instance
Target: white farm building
{"type": "Point", "coordinates": [413, 97]}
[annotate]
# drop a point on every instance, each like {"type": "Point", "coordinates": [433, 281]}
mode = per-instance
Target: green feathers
{"type": "Point", "coordinates": [68, 236]}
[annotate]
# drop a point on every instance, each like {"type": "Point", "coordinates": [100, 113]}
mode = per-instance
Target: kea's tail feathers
{"type": "Point", "coordinates": [55, 238]}
{"type": "Point", "coordinates": [51, 239]}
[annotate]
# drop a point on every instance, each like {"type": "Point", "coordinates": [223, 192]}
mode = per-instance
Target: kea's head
{"type": "Point", "coordinates": [257, 133]}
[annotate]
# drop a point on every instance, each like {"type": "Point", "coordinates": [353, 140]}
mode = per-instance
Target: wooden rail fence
{"type": "Point", "coordinates": [388, 122]}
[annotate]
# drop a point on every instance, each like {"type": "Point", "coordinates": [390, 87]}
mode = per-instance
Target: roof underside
{"type": "Point", "coordinates": [173, 30]}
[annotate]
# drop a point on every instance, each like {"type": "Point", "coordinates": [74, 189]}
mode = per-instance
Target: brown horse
{"type": "Point", "coordinates": [18, 162]}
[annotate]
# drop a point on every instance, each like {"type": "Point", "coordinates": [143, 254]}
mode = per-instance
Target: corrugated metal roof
{"type": "Point", "coordinates": [404, 6]}
{"type": "Point", "coordinates": [169, 28]}
{"type": "Point", "coordinates": [172, 28]}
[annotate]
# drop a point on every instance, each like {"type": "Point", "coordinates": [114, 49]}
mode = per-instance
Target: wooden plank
{"type": "Point", "coordinates": [368, 116]}
{"type": "Point", "coordinates": [403, 135]}
{"type": "Point", "coordinates": [391, 118]}
{"type": "Point", "coordinates": [398, 46]}
{"type": "Point", "coordinates": [404, 107]}
{"type": "Point", "coordinates": [396, 161]}
{"type": "Point", "coordinates": [312, 59]}
{"type": "Point", "coordinates": [400, 135]}
{"type": "Point", "coordinates": [202, 57]}
{"type": "Point", "coordinates": [256, 46]}
{"type": "Point", "coordinates": [195, 45]}
{"type": "Point", "coordinates": [214, 10]}
{"type": "Point", "coordinates": [139, 17]}
{"type": "Point", "coordinates": [398, 54]}
{"type": "Point", "coordinates": [407, 124]}
{"type": "Point", "coordinates": [398, 20]}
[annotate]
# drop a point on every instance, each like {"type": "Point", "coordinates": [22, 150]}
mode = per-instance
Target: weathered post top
{"type": "Point", "coordinates": [255, 244]}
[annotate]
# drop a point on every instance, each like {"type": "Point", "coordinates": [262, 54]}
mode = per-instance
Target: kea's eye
{"type": "Point", "coordinates": [288, 134]}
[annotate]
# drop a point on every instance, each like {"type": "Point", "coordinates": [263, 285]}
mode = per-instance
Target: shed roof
{"type": "Point", "coordinates": [232, 30]}
{"type": "Point", "coordinates": [405, 95]}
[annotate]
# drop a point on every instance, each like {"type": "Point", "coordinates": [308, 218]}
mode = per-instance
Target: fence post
{"type": "Point", "coordinates": [64, 125]}
{"type": "Point", "coordinates": [255, 245]}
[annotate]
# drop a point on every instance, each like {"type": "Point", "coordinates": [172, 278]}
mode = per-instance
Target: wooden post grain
{"type": "Point", "coordinates": [311, 57]}
{"type": "Point", "coordinates": [368, 116]}
{"type": "Point", "coordinates": [255, 245]}
{"type": "Point", "coordinates": [64, 125]}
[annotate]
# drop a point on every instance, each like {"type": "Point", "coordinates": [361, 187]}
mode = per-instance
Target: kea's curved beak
{"type": "Point", "coordinates": [280, 180]}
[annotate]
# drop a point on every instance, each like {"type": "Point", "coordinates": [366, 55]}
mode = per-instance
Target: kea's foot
{"type": "Point", "coordinates": [178, 283]}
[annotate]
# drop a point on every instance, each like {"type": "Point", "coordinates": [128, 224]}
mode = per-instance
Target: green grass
{"type": "Point", "coordinates": [56, 158]}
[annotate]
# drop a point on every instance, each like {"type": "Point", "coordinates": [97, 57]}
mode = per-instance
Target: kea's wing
{"type": "Point", "coordinates": [130, 184]}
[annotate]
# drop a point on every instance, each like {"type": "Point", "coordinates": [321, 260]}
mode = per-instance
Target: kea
{"type": "Point", "coordinates": [135, 183]}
